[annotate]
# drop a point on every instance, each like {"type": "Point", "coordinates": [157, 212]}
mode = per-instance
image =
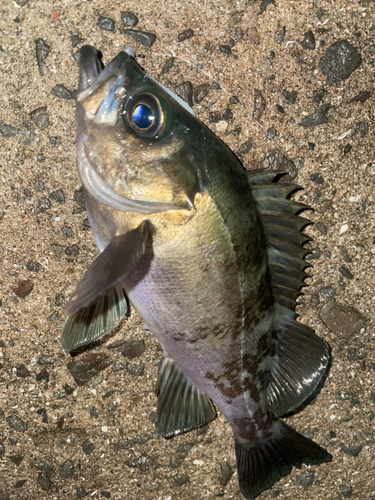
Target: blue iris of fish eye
{"type": "Point", "coordinates": [143, 116]}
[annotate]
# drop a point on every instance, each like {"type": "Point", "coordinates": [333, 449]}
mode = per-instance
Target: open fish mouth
{"type": "Point", "coordinates": [98, 100]}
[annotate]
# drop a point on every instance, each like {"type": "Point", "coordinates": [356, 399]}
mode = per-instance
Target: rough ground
{"type": "Point", "coordinates": [45, 417]}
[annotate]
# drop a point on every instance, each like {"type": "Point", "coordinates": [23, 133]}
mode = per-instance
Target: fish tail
{"type": "Point", "coordinates": [261, 463]}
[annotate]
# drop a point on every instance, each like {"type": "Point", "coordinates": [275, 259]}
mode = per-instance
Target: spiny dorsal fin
{"type": "Point", "coordinates": [300, 358]}
{"type": "Point", "coordinates": [181, 405]}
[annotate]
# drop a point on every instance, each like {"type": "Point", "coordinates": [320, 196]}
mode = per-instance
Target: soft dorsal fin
{"type": "Point", "coordinates": [300, 358]}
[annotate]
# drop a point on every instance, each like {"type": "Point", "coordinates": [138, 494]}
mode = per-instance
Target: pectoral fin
{"type": "Point", "coordinates": [181, 405]}
{"type": "Point", "coordinates": [120, 256]}
{"type": "Point", "coordinates": [92, 323]}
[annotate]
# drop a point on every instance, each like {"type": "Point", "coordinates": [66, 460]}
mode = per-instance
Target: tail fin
{"type": "Point", "coordinates": [261, 464]}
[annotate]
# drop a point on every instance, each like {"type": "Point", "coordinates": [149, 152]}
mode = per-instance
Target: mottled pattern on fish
{"type": "Point", "coordinates": [209, 255]}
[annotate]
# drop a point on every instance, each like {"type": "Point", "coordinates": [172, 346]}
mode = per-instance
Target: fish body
{"type": "Point", "coordinates": [209, 255]}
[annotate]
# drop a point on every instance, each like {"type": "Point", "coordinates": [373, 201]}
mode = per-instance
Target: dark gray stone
{"type": "Point", "coordinates": [308, 42]}
{"type": "Point", "coordinates": [72, 250]}
{"type": "Point", "coordinates": [60, 300]}
{"type": "Point", "coordinates": [342, 319]}
{"type": "Point", "coordinates": [106, 23]}
{"type": "Point", "coordinates": [276, 160]}
{"type": "Point", "coordinates": [79, 197]}
{"type": "Point", "coordinates": [43, 464]}
{"type": "Point", "coordinates": [174, 462]}
{"type": "Point", "coordinates": [67, 231]}
{"type": "Point", "coordinates": [2, 449]}
{"type": "Point", "coordinates": [352, 451]}
{"type": "Point", "coordinates": [81, 492]}
{"type": "Point", "coordinates": [17, 424]}
{"type": "Point", "coordinates": [87, 447]}
{"type": "Point", "coordinates": [271, 133]}
{"type": "Point", "coordinates": [94, 413]}
{"type": "Point", "coordinates": [143, 462]}
{"type": "Point", "coordinates": [339, 62]}
{"type": "Point", "coordinates": [185, 35]}
{"type": "Point", "coordinates": [76, 40]}
{"type": "Point", "coordinates": [180, 479]}
{"type": "Point", "coordinates": [61, 92]}
{"type": "Point", "coordinates": [263, 6]}
{"type": "Point", "coordinates": [315, 253]}
{"type": "Point", "coordinates": [44, 479]}
{"type": "Point", "coordinates": [67, 469]}
{"type": "Point", "coordinates": [225, 49]}
{"type": "Point", "coordinates": [87, 367]}
{"type": "Point", "coordinates": [346, 273]}
{"type": "Point", "coordinates": [317, 178]}
{"type": "Point", "coordinates": [134, 369]}
{"type": "Point", "coordinates": [346, 491]}
{"type": "Point", "coordinates": [58, 196]}
{"type": "Point", "coordinates": [259, 104]}
{"type": "Point", "coordinates": [22, 371]}
{"type": "Point", "coordinates": [321, 227]}
{"type": "Point", "coordinates": [279, 35]}
{"type": "Point", "coordinates": [226, 473]}
{"type": "Point", "coordinates": [245, 147]}
{"type": "Point", "coordinates": [42, 50]}
{"type": "Point", "coordinates": [133, 348]}
{"type": "Point", "coordinates": [201, 92]}
{"type": "Point", "coordinates": [142, 37]}
{"type": "Point", "coordinates": [290, 96]}
{"type": "Point", "coordinates": [129, 19]}
{"type": "Point", "coordinates": [16, 459]}
{"type": "Point", "coordinates": [40, 117]}
{"type": "Point", "coordinates": [214, 116]}
{"type": "Point", "coordinates": [317, 118]}
{"type": "Point", "coordinates": [124, 444]}
{"type": "Point", "coordinates": [43, 205]}
{"type": "Point", "coordinates": [167, 66]}
{"type": "Point", "coordinates": [228, 115]}
{"type": "Point", "coordinates": [327, 292]}
{"type": "Point", "coordinates": [42, 412]}
{"type": "Point", "coordinates": [185, 91]}
{"type": "Point", "coordinates": [306, 479]}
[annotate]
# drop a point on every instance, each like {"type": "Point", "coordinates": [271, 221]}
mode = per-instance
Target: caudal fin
{"type": "Point", "coordinates": [261, 464]}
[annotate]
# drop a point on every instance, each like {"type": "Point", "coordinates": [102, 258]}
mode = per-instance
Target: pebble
{"type": "Point", "coordinates": [254, 36]}
{"type": "Point", "coordinates": [317, 118]}
{"type": "Point", "coordinates": [22, 371]}
{"type": "Point", "coordinates": [60, 301]}
{"type": "Point", "coordinates": [42, 50]}
{"type": "Point", "coordinates": [308, 42]}
{"type": "Point", "coordinates": [106, 23]}
{"type": "Point", "coordinates": [342, 319]}
{"type": "Point", "coordinates": [362, 128]}
{"type": "Point", "coordinates": [67, 469]}
{"type": "Point", "coordinates": [23, 288]}
{"type": "Point", "coordinates": [143, 462]}
{"type": "Point", "coordinates": [346, 491]}
{"type": "Point", "coordinates": [226, 473]}
{"type": "Point", "coordinates": [54, 316]}
{"type": "Point", "coordinates": [142, 439]}
{"type": "Point", "coordinates": [245, 147]}
{"type": "Point", "coordinates": [72, 250]}
{"type": "Point", "coordinates": [79, 197]}
{"type": "Point", "coordinates": [133, 348]}
{"type": "Point", "coordinates": [361, 97]}
{"type": "Point", "coordinates": [214, 116]}
{"type": "Point", "coordinates": [16, 459]}
{"type": "Point", "coordinates": [271, 133]}
{"type": "Point", "coordinates": [290, 96]}
{"type": "Point", "coordinates": [42, 375]}
{"type": "Point", "coordinates": [87, 447]}
{"type": "Point", "coordinates": [167, 66]}
{"type": "Point", "coordinates": [264, 4]}
{"type": "Point", "coordinates": [259, 104]}
{"type": "Point", "coordinates": [228, 115]}
{"type": "Point", "coordinates": [185, 35]}
{"type": "Point", "coordinates": [94, 413]}
{"type": "Point", "coordinates": [76, 40]}
{"type": "Point", "coordinates": [279, 35]}
{"type": "Point", "coordinates": [311, 145]}
{"type": "Point", "coordinates": [279, 108]}
{"type": "Point", "coordinates": [87, 367]}
{"type": "Point", "coordinates": [327, 292]}
{"type": "Point", "coordinates": [20, 483]}
{"type": "Point", "coordinates": [339, 61]}
{"type": "Point", "coordinates": [42, 412]}
{"type": "Point", "coordinates": [306, 479]}
{"type": "Point", "coordinates": [8, 130]}
{"type": "Point", "coordinates": [318, 95]}
{"type": "Point", "coordinates": [276, 160]}
{"type": "Point", "coordinates": [81, 492]}
{"type": "Point", "coordinates": [67, 231]}
{"type": "Point", "coordinates": [42, 464]}
{"type": "Point", "coordinates": [44, 479]}
{"type": "Point", "coordinates": [180, 479]}
{"type": "Point", "coordinates": [134, 369]}
{"type": "Point", "coordinates": [105, 494]}
{"type": "Point", "coordinates": [124, 444]}
{"type": "Point", "coordinates": [129, 19]}
{"type": "Point", "coordinates": [225, 49]}
{"type": "Point", "coordinates": [43, 205]}
{"type": "Point", "coordinates": [346, 273]}
{"type": "Point", "coordinates": [315, 253]}
{"type": "Point", "coordinates": [39, 185]}
{"type": "Point", "coordinates": [348, 147]}
{"type": "Point", "coordinates": [352, 451]}
{"type": "Point", "coordinates": [58, 196]}
{"type": "Point", "coordinates": [185, 91]}
{"type": "Point", "coordinates": [61, 92]}
{"type": "Point", "coordinates": [142, 37]}
{"type": "Point", "coordinates": [40, 117]}
{"type": "Point", "coordinates": [321, 227]}
{"type": "Point", "coordinates": [317, 178]}
{"type": "Point", "coordinates": [201, 92]}
{"type": "Point", "coordinates": [174, 462]}
{"type": "Point", "coordinates": [2, 449]}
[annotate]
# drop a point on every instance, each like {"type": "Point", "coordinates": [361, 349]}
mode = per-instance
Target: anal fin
{"type": "Point", "coordinates": [181, 405]}
{"type": "Point", "coordinates": [260, 464]}
{"type": "Point", "coordinates": [92, 323]}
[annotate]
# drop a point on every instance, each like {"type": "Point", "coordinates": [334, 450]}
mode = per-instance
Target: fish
{"type": "Point", "coordinates": [210, 255]}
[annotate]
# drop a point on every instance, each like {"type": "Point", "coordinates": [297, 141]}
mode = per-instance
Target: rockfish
{"type": "Point", "coordinates": [211, 258]}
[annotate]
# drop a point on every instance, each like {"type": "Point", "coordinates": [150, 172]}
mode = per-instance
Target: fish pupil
{"type": "Point", "coordinates": [143, 116]}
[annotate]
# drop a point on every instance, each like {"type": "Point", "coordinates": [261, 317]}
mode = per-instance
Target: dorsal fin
{"type": "Point", "coordinates": [298, 359]}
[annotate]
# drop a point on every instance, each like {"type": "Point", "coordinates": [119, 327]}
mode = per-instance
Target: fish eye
{"type": "Point", "coordinates": [145, 115]}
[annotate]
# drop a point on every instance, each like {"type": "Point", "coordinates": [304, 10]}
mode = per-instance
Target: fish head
{"type": "Point", "coordinates": [133, 136]}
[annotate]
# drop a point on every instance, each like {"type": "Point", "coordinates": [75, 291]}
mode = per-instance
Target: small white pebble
{"type": "Point", "coordinates": [104, 428]}
{"type": "Point", "coordinates": [353, 199]}
{"type": "Point", "coordinates": [344, 228]}
{"type": "Point", "coordinates": [198, 462]}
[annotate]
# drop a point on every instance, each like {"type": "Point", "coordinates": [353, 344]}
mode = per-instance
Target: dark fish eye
{"type": "Point", "coordinates": [144, 114]}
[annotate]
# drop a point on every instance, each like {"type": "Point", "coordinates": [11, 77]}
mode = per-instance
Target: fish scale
{"type": "Point", "coordinates": [209, 255]}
